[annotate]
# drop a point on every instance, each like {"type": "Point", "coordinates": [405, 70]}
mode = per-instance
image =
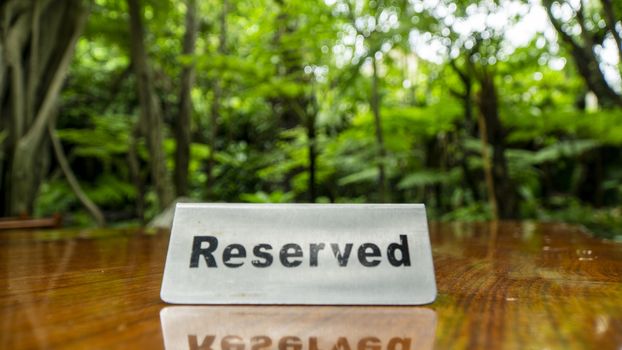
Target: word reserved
{"type": "Point", "coordinates": [292, 255]}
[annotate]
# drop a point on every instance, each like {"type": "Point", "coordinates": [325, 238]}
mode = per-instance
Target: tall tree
{"type": "Point", "coordinates": [582, 46]}
{"type": "Point", "coordinates": [37, 41]}
{"type": "Point", "coordinates": [583, 36]}
{"type": "Point", "coordinates": [377, 23]}
{"type": "Point", "coordinates": [296, 108]}
{"type": "Point", "coordinates": [478, 51]}
{"type": "Point", "coordinates": [465, 126]}
{"type": "Point", "coordinates": [183, 123]}
{"type": "Point", "coordinates": [312, 149]}
{"type": "Point", "coordinates": [502, 195]}
{"type": "Point", "coordinates": [216, 110]}
{"type": "Point", "coordinates": [375, 103]}
{"type": "Point", "coordinates": [150, 121]}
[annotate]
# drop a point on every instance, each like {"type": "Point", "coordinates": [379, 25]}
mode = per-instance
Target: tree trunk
{"type": "Point", "coordinates": [501, 192]}
{"type": "Point", "coordinates": [44, 44]}
{"type": "Point", "coordinates": [488, 174]}
{"type": "Point", "coordinates": [299, 110]}
{"type": "Point", "coordinates": [182, 130]}
{"type": "Point", "coordinates": [216, 103]}
{"type": "Point", "coordinates": [150, 114]}
{"type": "Point", "coordinates": [381, 154]}
{"type": "Point", "coordinates": [312, 140]}
{"type": "Point", "coordinates": [137, 179]}
{"type": "Point", "coordinates": [465, 127]}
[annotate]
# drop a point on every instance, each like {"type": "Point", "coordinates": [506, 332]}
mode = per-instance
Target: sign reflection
{"type": "Point", "coordinates": [297, 328]}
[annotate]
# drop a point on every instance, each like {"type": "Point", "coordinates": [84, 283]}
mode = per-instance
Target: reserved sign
{"type": "Point", "coordinates": [299, 254]}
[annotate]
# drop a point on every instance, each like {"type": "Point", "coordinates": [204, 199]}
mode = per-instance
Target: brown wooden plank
{"type": "Point", "coordinates": [28, 223]}
{"type": "Point", "coordinates": [501, 286]}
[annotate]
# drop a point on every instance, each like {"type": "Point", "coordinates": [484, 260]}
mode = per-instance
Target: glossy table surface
{"type": "Point", "coordinates": [502, 285]}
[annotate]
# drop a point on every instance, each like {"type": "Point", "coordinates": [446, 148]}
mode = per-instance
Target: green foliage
{"type": "Point", "coordinates": [286, 63]}
{"type": "Point", "coordinates": [109, 191]}
{"type": "Point", "coordinates": [563, 149]}
{"type": "Point", "coordinates": [366, 175]}
{"type": "Point", "coordinates": [107, 138]}
{"type": "Point", "coordinates": [262, 197]}
{"type": "Point", "coordinates": [428, 177]}
{"type": "Point", "coordinates": [604, 222]}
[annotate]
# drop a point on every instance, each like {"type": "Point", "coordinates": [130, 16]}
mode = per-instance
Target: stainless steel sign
{"type": "Point", "coordinates": [299, 254]}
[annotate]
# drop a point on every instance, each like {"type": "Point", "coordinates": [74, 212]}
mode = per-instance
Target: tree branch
{"type": "Point", "coordinates": [611, 24]}
{"type": "Point", "coordinates": [71, 178]}
{"type": "Point", "coordinates": [588, 40]}
{"type": "Point", "coordinates": [558, 26]}
{"type": "Point", "coordinates": [462, 74]}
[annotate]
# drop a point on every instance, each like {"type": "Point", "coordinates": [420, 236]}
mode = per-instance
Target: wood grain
{"type": "Point", "coordinates": [503, 285]}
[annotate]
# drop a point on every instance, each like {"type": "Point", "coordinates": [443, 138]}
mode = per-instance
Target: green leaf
{"type": "Point", "coordinates": [367, 175]}
{"type": "Point", "coordinates": [564, 149]}
{"type": "Point", "coordinates": [427, 177]}
{"type": "Point", "coordinates": [262, 197]}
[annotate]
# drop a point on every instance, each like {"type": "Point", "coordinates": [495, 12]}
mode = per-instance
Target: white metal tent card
{"type": "Point", "coordinates": [367, 254]}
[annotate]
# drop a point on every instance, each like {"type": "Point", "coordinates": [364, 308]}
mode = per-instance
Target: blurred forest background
{"type": "Point", "coordinates": [481, 109]}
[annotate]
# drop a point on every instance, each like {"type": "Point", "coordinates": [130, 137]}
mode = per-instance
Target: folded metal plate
{"type": "Point", "coordinates": [298, 328]}
{"type": "Point", "coordinates": [299, 254]}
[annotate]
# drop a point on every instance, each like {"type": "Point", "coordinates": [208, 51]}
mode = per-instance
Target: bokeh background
{"type": "Point", "coordinates": [483, 110]}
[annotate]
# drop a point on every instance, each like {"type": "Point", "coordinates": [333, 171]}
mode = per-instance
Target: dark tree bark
{"type": "Point", "coordinates": [137, 179]}
{"type": "Point", "coordinates": [312, 149]}
{"type": "Point", "coordinates": [182, 127]}
{"type": "Point", "coordinates": [37, 41]}
{"type": "Point", "coordinates": [381, 152]}
{"type": "Point", "coordinates": [501, 191]}
{"type": "Point", "coordinates": [150, 121]}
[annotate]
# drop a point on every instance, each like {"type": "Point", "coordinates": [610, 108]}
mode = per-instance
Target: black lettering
{"type": "Point", "coordinates": [193, 344]}
{"type": "Point", "coordinates": [313, 343]}
{"type": "Point", "coordinates": [290, 343]}
{"type": "Point", "coordinates": [233, 251]}
{"type": "Point", "coordinates": [232, 342]}
{"type": "Point", "coordinates": [403, 342]}
{"type": "Point", "coordinates": [342, 258]}
{"type": "Point", "coordinates": [342, 344]}
{"type": "Point", "coordinates": [262, 341]}
{"type": "Point", "coordinates": [364, 254]}
{"type": "Point", "coordinates": [404, 252]}
{"type": "Point", "coordinates": [369, 343]}
{"type": "Point", "coordinates": [197, 251]}
{"type": "Point", "coordinates": [315, 249]}
{"type": "Point", "coordinates": [260, 251]}
{"type": "Point", "coordinates": [285, 254]}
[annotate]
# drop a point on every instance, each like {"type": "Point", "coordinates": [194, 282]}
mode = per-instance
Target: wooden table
{"type": "Point", "coordinates": [501, 286]}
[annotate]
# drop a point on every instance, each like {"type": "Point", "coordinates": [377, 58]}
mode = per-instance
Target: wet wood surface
{"type": "Point", "coordinates": [501, 286]}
